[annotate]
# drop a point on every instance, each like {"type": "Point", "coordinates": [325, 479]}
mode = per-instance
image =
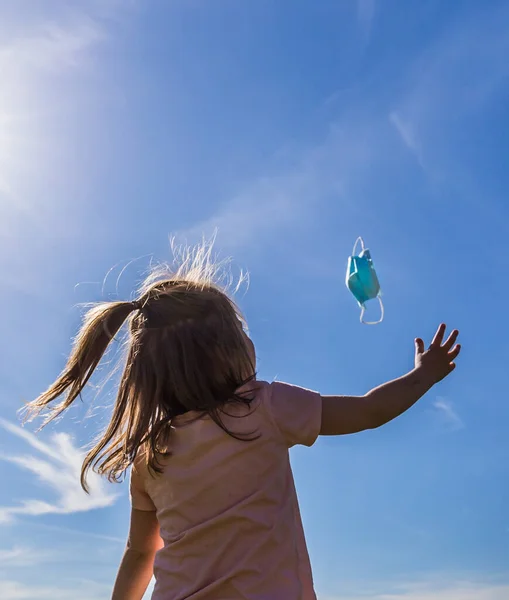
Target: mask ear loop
{"type": "Point", "coordinates": [363, 310]}
{"type": "Point", "coordinates": [358, 241]}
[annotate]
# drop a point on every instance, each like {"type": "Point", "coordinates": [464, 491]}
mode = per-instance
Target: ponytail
{"type": "Point", "coordinates": [100, 326]}
{"type": "Point", "coordinates": [186, 352]}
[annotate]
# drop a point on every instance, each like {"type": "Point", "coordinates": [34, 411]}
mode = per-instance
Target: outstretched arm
{"type": "Point", "coordinates": [351, 414]}
{"type": "Point", "coordinates": [137, 564]}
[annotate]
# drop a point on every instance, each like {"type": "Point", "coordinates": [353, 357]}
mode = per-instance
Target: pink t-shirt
{"type": "Point", "coordinates": [228, 509]}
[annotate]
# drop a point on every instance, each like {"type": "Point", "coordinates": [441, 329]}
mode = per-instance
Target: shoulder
{"type": "Point", "coordinates": [278, 391]}
{"type": "Point", "coordinates": [296, 411]}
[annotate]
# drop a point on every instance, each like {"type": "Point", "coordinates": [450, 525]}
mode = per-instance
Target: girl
{"type": "Point", "coordinates": [214, 510]}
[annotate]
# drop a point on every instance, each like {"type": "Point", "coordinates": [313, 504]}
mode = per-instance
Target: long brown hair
{"type": "Point", "coordinates": [186, 351]}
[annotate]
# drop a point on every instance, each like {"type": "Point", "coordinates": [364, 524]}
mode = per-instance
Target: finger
{"type": "Point", "coordinates": [449, 343]}
{"type": "Point", "coordinates": [419, 346]}
{"type": "Point", "coordinates": [452, 366]}
{"type": "Point", "coordinates": [454, 352]}
{"type": "Point", "coordinates": [439, 336]}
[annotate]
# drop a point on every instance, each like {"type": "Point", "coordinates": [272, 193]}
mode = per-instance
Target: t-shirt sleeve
{"type": "Point", "coordinates": [139, 496]}
{"type": "Point", "coordinates": [297, 413]}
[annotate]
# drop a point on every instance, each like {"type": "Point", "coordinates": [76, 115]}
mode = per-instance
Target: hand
{"type": "Point", "coordinates": [438, 360]}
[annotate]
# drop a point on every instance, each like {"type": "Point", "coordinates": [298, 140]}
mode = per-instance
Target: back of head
{"type": "Point", "coordinates": [186, 351]}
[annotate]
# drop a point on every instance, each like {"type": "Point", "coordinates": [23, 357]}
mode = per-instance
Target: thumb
{"type": "Point", "coordinates": [419, 346]}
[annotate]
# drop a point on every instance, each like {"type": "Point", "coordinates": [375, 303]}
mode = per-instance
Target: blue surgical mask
{"type": "Point", "coordinates": [362, 281]}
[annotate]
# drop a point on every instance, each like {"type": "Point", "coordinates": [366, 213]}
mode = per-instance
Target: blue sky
{"type": "Point", "coordinates": [292, 127]}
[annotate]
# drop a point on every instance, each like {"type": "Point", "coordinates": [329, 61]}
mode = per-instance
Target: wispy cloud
{"type": "Point", "coordinates": [82, 533]}
{"type": "Point", "coordinates": [435, 86]}
{"type": "Point", "coordinates": [269, 203]}
{"type": "Point", "coordinates": [449, 418]}
{"type": "Point", "coordinates": [23, 556]}
{"type": "Point", "coordinates": [58, 466]}
{"type": "Point", "coordinates": [407, 134]}
{"type": "Point", "coordinates": [87, 590]}
{"type": "Point", "coordinates": [80, 590]}
{"type": "Point", "coordinates": [51, 46]}
{"type": "Point", "coordinates": [454, 76]}
{"type": "Point", "coordinates": [365, 14]}
{"type": "Point", "coordinates": [291, 197]}
{"type": "Point", "coordinates": [461, 590]}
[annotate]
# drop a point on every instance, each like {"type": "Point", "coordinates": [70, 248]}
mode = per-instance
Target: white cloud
{"type": "Point", "coordinates": [87, 590]}
{"type": "Point", "coordinates": [365, 14]}
{"type": "Point", "coordinates": [82, 533]}
{"type": "Point", "coordinates": [454, 76]}
{"type": "Point", "coordinates": [447, 414]}
{"type": "Point", "coordinates": [21, 556]}
{"type": "Point", "coordinates": [50, 47]}
{"type": "Point", "coordinates": [59, 469]}
{"type": "Point", "coordinates": [269, 203]}
{"type": "Point", "coordinates": [81, 590]}
{"type": "Point", "coordinates": [438, 87]}
{"type": "Point", "coordinates": [293, 196]}
{"type": "Point", "coordinates": [462, 590]}
{"type": "Point", "coordinates": [407, 134]}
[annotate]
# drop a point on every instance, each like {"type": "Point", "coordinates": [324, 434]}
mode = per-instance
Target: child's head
{"type": "Point", "coordinates": [186, 351]}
